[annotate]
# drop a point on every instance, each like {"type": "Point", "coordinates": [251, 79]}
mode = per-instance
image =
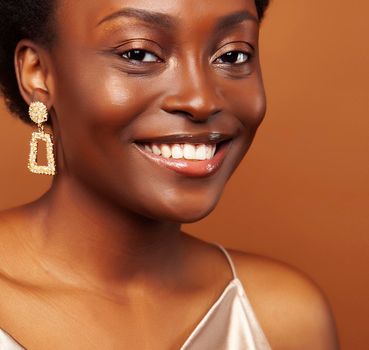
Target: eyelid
{"type": "Point", "coordinates": [246, 48]}
{"type": "Point", "coordinates": [248, 60]}
{"type": "Point", "coordinates": [146, 51]}
{"type": "Point", "coordinates": [142, 45]}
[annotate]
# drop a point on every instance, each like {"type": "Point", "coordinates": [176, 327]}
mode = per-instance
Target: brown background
{"type": "Point", "coordinates": [302, 194]}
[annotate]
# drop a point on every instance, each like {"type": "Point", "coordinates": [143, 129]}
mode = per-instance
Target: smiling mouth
{"type": "Point", "coordinates": [185, 146]}
{"type": "Point", "coordinates": [188, 155]}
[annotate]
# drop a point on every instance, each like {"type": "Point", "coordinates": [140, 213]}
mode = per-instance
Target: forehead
{"type": "Point", "coordinates": [81, 17]}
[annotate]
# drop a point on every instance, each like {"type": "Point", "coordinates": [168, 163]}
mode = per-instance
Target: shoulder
{"type": "Point", "coordinates": [291, 309]}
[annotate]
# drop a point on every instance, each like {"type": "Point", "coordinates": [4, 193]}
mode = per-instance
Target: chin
{"type": "Point", "coordinates": [186, 216]}
{"type": "Point", "coordinates": [192, 215]}
{"type": "Point", "coordinates": [185, 210]}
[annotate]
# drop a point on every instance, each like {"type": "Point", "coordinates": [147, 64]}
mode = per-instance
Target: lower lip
{"type": "Point", "coordinates": [190, 168]}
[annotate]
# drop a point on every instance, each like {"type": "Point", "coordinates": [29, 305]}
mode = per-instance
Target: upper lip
{"type": "Point", "coordinates": [207, 138]}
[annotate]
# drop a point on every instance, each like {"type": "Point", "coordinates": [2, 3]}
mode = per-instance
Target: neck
{"type": "Point", "coordinates": [99, 244]}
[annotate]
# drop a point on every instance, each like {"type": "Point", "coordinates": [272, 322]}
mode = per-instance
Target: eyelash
{"type": "Point", "coordinates": [247, 56]}
{"type": "Point", "coordinates": [139, 51]}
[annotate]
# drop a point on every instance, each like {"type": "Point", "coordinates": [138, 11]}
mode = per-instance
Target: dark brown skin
{"type": "Point", "coordinates": [100, 261]}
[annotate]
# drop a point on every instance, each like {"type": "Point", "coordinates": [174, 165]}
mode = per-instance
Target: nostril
{"type": "Point", "coordinates": [184, 113]}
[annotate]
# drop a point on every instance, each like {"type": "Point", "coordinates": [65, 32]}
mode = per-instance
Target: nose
{"type": "Point", "coordinates": [193, 94]}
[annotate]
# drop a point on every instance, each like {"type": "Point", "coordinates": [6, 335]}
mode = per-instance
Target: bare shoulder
{"type": "Point", "coordinates": [290, 307]}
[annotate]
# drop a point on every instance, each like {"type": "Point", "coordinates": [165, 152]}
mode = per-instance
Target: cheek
{"type": "Point", "coordinates": [95, 102]}
{"type": "Point", "coordinates": [248, 103]}
{"type": "Point", "coordinates": [106, 97]}
{"type": "Point", "coordinates": [92, 102]}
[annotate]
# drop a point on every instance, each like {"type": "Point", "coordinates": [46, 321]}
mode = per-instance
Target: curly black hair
{"type": "Point", "coordinates": [33, 19]}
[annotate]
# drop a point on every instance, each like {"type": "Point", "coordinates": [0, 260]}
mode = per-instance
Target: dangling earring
{"type": "Point", "coordinates": [38, 113]}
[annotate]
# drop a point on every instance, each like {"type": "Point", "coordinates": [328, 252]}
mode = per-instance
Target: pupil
{"type": "Point", "coordinates": [137, 55]}
{"type": "Point", "coordinates": [231, 57]}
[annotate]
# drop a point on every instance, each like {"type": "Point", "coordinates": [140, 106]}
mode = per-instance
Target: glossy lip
{"type": "Point", "coordinates": [189, 168]}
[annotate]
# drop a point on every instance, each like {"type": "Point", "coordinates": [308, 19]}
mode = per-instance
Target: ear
{"type": "Point", "coordinates": [32, 67]}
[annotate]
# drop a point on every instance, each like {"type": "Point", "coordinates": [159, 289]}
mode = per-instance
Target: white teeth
{"type": "Point", "coordinates": [189, 151]}
{"type": "Point", "coordinates": [177, 152]}
{"type": "Point", "coordinates": [166, 152]}
{"type": "Point", "coordinates": [201, 152]}
{"type": "Point", "coordinates": [180, 151]}
{"type": "Point", "coordinates": [156, 150]}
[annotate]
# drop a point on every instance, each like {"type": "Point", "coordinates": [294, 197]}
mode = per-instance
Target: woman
{"type": "Point", "coordinates": [152, 104]}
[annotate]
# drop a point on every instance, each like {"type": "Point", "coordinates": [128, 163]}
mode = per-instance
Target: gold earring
{"type": "Point", "coordinates": [38, 114]}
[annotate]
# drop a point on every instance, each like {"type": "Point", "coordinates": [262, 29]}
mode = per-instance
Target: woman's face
{"type": "Point", "coordinates": [182, 77]}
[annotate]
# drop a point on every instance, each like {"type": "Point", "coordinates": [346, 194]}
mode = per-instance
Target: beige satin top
{"type": "Point", "coordinates": [230, 324]}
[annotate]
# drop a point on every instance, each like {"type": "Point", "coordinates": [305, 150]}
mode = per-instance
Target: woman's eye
{"type": "Point", "coordinates": [234, 57]}
{"type": "Point", "coordinates": [140, 55]}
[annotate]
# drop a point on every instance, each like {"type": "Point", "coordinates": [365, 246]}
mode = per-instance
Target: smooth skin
{"type": "Point", "coordinates": [100, 261]}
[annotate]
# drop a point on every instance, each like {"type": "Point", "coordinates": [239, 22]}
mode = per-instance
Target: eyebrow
{"type": "Point", "coordinates": [169, 22]}
{"type": "Point", "coordinates": [233, 19]}
{"type": "Point", "coordinates": [156, 18]}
